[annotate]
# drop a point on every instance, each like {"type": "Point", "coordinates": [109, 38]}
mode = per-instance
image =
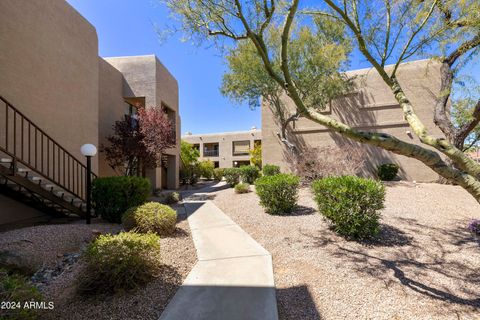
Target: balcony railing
{"type": "Point", "coordinates": [210, 153]}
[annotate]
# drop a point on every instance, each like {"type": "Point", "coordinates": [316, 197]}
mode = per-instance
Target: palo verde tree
{"type": "Point", "coordinates": [384, 31]}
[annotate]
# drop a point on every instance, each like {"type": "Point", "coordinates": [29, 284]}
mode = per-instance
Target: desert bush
{"type": "Point", "coordinates": [278, 194]}
{"type": "Point", "coordinates": [387, 171]}
{"type": "Point", "coordinates": [120, 262]}
{"type": "Point", "coordinates": [316, 163]}
{"type": "Point", "coordinates": [249, 174]}
{"type": "Point", "coordinates": [351, 204]}
{"type": "Point", "coordinates": [474, 227]}
{"type": "Point", "coordinates": [206, 169]}
{"type": "Point", "coordinates": [270, 170]}
{"type": "Point", "coordinates": [111, 196]}
{"type": "Point", "coordinates": [232, 176]}
{"type": "Point", "coordinates": [218, 174]}
{"type": "Point", "coordinates": [16, 289]}
{"type": "Point", "coordinates": [168, 197]}
{"type": "Point", "coordinates": [150, 217]}
{"type": "Point", "coordinates": [242, 187]}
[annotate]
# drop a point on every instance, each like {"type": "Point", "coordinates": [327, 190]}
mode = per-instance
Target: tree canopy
{"type": "Point", "coordinates": [302, 50]}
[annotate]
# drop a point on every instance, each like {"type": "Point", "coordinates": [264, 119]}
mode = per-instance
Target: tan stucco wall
{"type": "Point", "coordinates": [373, 107]}
{"type": "Point", "coordinates": [225, 145]}
{"type": "Point", "coordinates": [145, 76]}
{"type": "Point", "coordinates": [49, 69]}
{"type": "Point", "coordinates": [111, 109]}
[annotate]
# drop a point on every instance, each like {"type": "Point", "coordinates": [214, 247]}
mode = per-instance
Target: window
{"type": "Point", "coordinates": [241, 148]}
{"type": "Point", "coordinates": [210, 150]}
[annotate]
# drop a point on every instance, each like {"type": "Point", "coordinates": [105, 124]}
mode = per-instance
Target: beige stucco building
{"type": "Point", "coordinates": [371, 106]}
{"type": "Point", "coordinates": [226, 149]}
{"type": "Point", "coordinates": [50, 73]}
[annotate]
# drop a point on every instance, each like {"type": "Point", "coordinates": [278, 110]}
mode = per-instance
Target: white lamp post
{"type": "Point", "coordinates": [89, 151]}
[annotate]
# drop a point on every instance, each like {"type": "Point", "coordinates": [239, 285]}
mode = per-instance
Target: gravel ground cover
{"type": "Point", "coordinates": [40, 246]}
{"type": "Point", "coordinates": [178, 256]}
{"type": "Point", "coordinates": [425, 264]}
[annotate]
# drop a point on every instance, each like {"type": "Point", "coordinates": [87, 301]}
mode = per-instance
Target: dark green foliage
{"type": "Point", "coordinates": [278, 194]}
{"type": "Point", "coordinates": [270, 170]}
{"type": "Point", "coordinates": [218, 174]}
{"type": "Point", "coordinates": [242, 187]}
{"type": "Point", "coordinates": [232, 176]}
{"type": "Point", "coordinates": [120, 262]}
{"type": "Point", "coordinates": [150, 217]}
{"type": "Point", "coordinates": [387, 171]}
{"type": "Point", "coordinates": [351, 204]}
{"type": "Point", "coordinates": [113, 195]}
{"type": "Point", "coordinates": [15, 288]}
{"type": "Point", "coordinates": [249, 174]}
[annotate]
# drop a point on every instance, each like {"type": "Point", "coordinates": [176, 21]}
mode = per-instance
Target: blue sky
{"type": "Point", "coordinates": [126, 27]}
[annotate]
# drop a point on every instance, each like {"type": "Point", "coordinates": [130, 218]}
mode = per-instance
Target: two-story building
{"type": "Point", "coordinates": [226, 149]}
{"type": "Point", "coordinates": [58, 94]}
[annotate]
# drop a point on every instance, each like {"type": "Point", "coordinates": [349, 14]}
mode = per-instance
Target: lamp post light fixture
{"type": "Point", "coordinates": [89, 151]}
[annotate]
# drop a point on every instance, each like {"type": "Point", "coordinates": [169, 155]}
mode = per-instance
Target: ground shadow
{"type": "Point", "coordinates": [421, 274]}
{"type": "Point", "coordinates": [296, 303]}
{"type": "Point", "coordinates": [222, 302]}
{"type": "Point", "coordinates": [302, 211]}
{"type": "Point", "coordinates": [390, 236]}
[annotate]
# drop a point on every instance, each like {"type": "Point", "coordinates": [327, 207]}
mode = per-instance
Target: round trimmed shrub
{"type": "Point", "coordinates": [387, 171]}
{"type": "Point", "coordinates": [150, 217]}
{"type": "Point", "coordinates": [111, 196]}
{"type": "Point", "coordinates": [218, 174]}
{"type": "Point", "coordinates": [351, 204]}
{"type": "Point", "coordinates": [242, 187]}
{"type": "Point", "coordinates": [270, 170]}
{"type": "Point", "coordinates": [232, 176]}
{"type": "Point", "coordinates": [278, 194]}
{"type": "Point", "coordinates": [120, 262]}
{"type": "Point", "coordinates": [249, 174]}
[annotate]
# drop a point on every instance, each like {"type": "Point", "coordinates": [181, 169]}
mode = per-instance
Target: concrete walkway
{"type": "Point", "coordinates": [233, 278]}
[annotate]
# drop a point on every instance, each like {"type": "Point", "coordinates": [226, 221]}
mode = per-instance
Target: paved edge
{"type": "Point", "coordinates": [233, 277]}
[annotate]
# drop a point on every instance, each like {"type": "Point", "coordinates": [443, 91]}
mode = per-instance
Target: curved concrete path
{"type": "Point", "coordinates": [233, 278]}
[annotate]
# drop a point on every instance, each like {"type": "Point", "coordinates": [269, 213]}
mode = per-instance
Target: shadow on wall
{"type": "Point", "coordinates": [347, 109]}
{"type": "Point", "coordinates": [352, 110]}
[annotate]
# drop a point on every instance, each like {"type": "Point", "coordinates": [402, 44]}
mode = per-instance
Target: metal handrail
{"type": "Point", "coordinates": [44, 156]}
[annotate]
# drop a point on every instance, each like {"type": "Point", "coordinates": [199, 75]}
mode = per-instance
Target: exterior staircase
{"type": "Point", "coordinates": [35, 169]}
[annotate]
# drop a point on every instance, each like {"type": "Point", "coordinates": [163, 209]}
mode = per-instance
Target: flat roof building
{"type": "Point", "coordinates": [58, 94]}
{"type": "Point", "coordinates": [226, 149]}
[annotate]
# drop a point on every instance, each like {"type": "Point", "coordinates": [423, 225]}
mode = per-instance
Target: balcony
{"type": "Point", "coordinates": [210, 153]}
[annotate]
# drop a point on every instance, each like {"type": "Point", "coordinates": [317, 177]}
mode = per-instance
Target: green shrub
{"type": "Point", "coordinates": [120, 262]}
{"type": "Point", "coordinates": [189, 174]}
{"type": "Point", "coordinates": [206, 169]}
{"type": "Point", "coordinates": [113, 195]}
{"type": "Point", "coordinates": [249, 174]}
{"type": "Point", "coordinates": [218, 174]}
{"type": "Point", "coordinates": [232, 176]}
{"type": "Point", "coordinates": [387, 171]}
{"type": "Point", "coordinates": [242, 188]}
{"type": "Point", "coordinates": [168, 197]}
{"type": "Point", "coordinates": [270, 170]}
{"type": "Point", "coordinates": [150, 217]}
{"type": "Point", "coordinates": [278, 194]}
{"type": "Point", "coordinates": [351, 204]}
{"type": "Point", "coordinates": [16, 289]}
